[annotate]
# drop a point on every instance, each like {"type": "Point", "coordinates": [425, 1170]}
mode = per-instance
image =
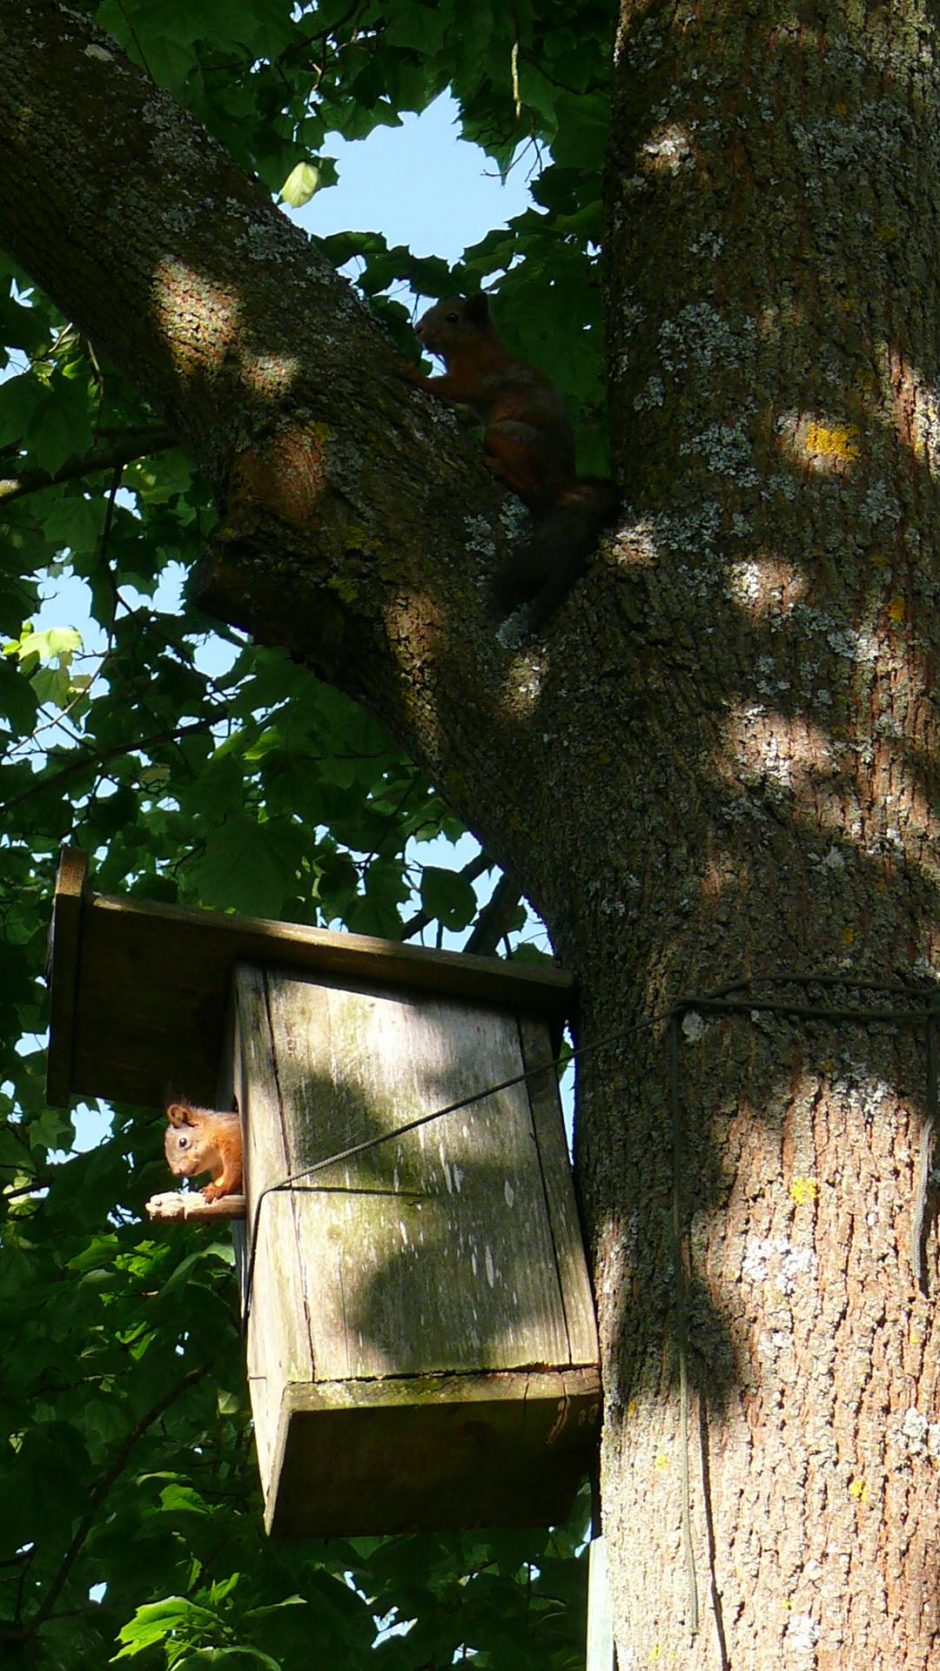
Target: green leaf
{"type": "Point", "coordinates": [448, 896]}
{"type": "Point", "coordinates": [20, 399]}
{"type": "Point", "coordinates": [246, 866]}
{"type": "Point", "coordinates": [157, 1620]}
{"type": "Point", "coordinates": [583, 126]}
{"type": "Point", "coordinates": [232, 1657]}
{"type": "Point", "coordinates": [300, 185]}
{"type": "Point", "coordinates": [75, 523]}
{"type": "Point", "coordinates": [276, 1607]}
{"type": "Point", "coordinates": [18, 700]}
{"type": "Point", "coordinates": [62, 423]}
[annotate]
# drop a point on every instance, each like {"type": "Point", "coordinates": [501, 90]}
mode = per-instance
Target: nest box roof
{"type": "Point", "coordinates": [140, 991]}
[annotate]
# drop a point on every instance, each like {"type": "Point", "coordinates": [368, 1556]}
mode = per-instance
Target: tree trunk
{"type": "Point", "coordinates": [717, 761]}
{"type": "Point", "coordinates": [767, 1325]}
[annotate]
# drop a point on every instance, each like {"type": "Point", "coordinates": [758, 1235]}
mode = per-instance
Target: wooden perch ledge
{"type": "Point", "coordinates": [178, 1203]}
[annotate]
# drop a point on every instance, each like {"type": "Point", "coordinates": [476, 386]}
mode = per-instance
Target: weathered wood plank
{"type": "Point", "coordinates": [600, 1630]}
{"type": "Point", "coordinates": [353, 956]}
{"type": "Point", "coordinates": [423, 1271]}
{"type": "Point", "coordinates": [278, 1338]}
{"type": "Point", "coordinates": [562, 1206]}
{"type": "Point", "coordinates": [432, 1453]}
{"type": "Point", "coordinates": [228, 1087]}
{"type": "Point", "coordinates": [432, 1251]}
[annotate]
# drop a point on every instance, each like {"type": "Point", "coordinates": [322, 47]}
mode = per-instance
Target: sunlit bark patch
{"type": "Point", "coordinates": [202, 322]}
{"type": "Point", "coordinates": [819, 445]}
{"type": "Point", "coordinates": [269, 374]}
{"type": "Point", "coordinates": [914, 405]}
{"type": "Point", "coordinates": [769, 748]}
{"type": "Point", "coordinates": [766, 584]}
{"type": "Point", "coordinates": [636, 547]}
{"type": "Point", "coordinates": [201, 319]}
{"type": "Point", "coordinates": [668, 150]}
{"type": "Point", "coordinates": [855, 794]}
{"type": "Point", "coordinates": [285, 476]}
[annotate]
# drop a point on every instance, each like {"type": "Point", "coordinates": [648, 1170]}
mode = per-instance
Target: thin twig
{"type": "Point", "coordinates": [89, 762]}
{"type": "Point", "coordinates": [114, 457]}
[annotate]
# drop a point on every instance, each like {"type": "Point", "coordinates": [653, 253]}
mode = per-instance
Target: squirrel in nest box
{"type": "Point", "coordinates": [203, 1140]}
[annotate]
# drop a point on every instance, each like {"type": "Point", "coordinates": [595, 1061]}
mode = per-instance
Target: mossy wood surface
{"type": "Point", "coordinates": [421, 1341]}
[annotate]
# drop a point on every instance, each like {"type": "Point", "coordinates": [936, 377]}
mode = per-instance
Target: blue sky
{"type": "Point", "coordinates": [419, 184]}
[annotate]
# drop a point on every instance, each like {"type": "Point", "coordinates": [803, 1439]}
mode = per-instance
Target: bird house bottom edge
{"type": "Point", "coordinates": [430, 1452]}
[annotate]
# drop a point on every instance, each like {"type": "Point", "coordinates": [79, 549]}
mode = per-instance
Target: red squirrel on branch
{"type": "Point", "coordinates": [528, 443]}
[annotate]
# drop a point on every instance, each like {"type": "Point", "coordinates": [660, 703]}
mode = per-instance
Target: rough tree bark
{"type": "Point", "coordinates": [717, 763]}
{"type": "Point", "coordinates": [773, 197]}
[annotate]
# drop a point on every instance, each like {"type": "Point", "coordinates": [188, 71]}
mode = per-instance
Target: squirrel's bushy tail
{"type": "Point", "coordinates": [562, 538]}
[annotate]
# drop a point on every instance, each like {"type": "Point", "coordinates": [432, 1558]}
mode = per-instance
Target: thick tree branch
{"type": "Point", "coordinates": [359, 528]}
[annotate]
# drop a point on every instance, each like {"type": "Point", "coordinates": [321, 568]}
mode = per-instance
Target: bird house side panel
{"type": "Point", "coordinates": [559, 1193]}
{"type": "Point", "coordinates": [278, 1338]}
{"type": "Point", "coordinates": [432, 1250]}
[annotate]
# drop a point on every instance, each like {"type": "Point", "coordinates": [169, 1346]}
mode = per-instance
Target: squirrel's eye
{"type": "Point", "coordinates": [183, 1140]}
{"type": "Point", "coordinates": [453, 318]}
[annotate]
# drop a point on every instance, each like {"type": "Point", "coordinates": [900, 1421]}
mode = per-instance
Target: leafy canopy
{"type": "Point", "coordinates": [198, 768]}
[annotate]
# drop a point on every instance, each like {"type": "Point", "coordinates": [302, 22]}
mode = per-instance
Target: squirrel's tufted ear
{"type": "Point", "coordinates": [477, 309]}
{"type": "Point", "coordinates": [179, 1114]}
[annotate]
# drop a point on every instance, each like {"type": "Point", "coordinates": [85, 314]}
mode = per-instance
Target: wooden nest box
{"type": "Point", "coordinates": [421, 1344]}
